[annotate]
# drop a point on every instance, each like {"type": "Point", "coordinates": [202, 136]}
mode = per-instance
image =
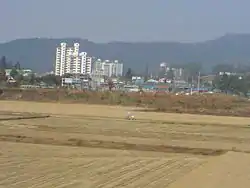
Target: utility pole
{"type": "Point", "coordinates": [199, 76]}
{"type": "Point", "coordinates": [146, 73]}
{"type": "Point", "coordinates": [192, 80]}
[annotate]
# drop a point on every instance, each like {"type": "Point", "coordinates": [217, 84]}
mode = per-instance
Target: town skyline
{"type": "Point", "coordinates": [71, 60]}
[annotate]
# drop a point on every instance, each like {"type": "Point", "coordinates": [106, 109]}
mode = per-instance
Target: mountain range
{"type": "Point", "coordinates": [39, 53]}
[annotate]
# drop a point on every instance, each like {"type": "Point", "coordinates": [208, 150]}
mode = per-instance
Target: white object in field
{"type": "Point", "coordinates": [130, 116]}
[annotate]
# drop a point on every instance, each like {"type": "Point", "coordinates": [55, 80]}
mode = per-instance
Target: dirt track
{"type": "Point", "coordinates": [156, 150]}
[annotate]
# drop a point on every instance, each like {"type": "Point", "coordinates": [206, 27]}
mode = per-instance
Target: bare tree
{"type": "Point", "coordinates": [110, 84]}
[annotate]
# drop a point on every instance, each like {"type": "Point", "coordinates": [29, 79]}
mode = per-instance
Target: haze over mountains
{"type": "Point", "coordinates": [39, 53]}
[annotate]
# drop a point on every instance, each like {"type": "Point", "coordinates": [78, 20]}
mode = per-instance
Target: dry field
{"type": "Point", "coordinates": [88, 146]}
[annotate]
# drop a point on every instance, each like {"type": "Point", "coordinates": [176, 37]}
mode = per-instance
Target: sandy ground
{"type": "Point", "coordinates": [94, 146]}
{"type": "Point", "coordinates": [229, 170]}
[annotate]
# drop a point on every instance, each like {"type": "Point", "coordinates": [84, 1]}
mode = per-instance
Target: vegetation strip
{"type": "Point", "coordinates": [91, 117]}
{"type": "Point", "coordinates": [112, 145]}
{"type": "Point", "coordinates": [25, 117]}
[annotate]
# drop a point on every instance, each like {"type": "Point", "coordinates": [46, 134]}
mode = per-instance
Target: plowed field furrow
{"type": "Point", "coordinates": [146, 179]}
{"type": "Point", "coordinates": [30, 166]}
{"type": "Point", "coordinates": [141, 180]}
{"type": "Point", "coordinates": [56, 181]}
{"type": "Point", "coordinates": [119, 168]}
{"type": "Point", "coordinates": [112, 167]}
{"type": "Point", "coordinates": [73, 184]}
{"type": "Point", "coordinates": [164, 175]}
{"type": "Point", "coordinates": [112, 176]}
{"type": "Point", "coordinates": [101, 163]}
{"type": "Point", "coordinates": [49, 170]}
{"type": "Point", "coordinates": [15, 163]}
{"type": "Point", "coordinates": [56, 176]}
{"type": "Point", "coordinates": [171, 175]}
{"type": "Point", "coordinates": [17, 179]}
{"type": "Point", "coordinates": [123, 179]}
{"type": "Point", "coordinates": [174, 173]}
{"type": "Point", "coordinates": [105, 163]}
{"type": "Point", "coordinates": [14, 171]}
{"type": "Point", "coordinates": [180, 173]}
{"type": "Point", "coordinates": [69, 184]}
{"type": "Point", "coordinates": [136, 174]}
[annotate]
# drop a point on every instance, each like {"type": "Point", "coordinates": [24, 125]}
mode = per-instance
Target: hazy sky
{"type": "Point", "coordinates": [124, 20]}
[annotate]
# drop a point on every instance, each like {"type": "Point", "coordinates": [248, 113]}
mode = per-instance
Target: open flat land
{"type": "Point", "coordinates": [91, 146]}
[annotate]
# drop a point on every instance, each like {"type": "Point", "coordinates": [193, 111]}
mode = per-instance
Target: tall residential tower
{"type": "Point", "coordinates": [69, 60]}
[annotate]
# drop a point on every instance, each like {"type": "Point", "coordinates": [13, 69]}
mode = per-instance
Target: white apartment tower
{"type": "Point", "coordinates": [117, 68]}
{"type": "Point", "coordinates": [76, 64]}
{"type": "Point", "coordinates": [60, 59]}
{"type": "Point", "coordinates": [86, 63]}
{"type": "Point", "coordinates": [69, 60]}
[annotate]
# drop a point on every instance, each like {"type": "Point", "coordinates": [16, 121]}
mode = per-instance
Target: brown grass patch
{"type": "Point", "coordinates": [216, 104]}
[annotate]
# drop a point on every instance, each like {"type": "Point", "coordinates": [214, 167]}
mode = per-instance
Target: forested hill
{"type": "Point", "coordinates": [39, 53]}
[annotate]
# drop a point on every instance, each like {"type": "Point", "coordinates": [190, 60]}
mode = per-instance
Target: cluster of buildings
{"type": "Point", "coordinates": [69, 60]}
{"type": "Point", "coordinates": [177, 73]}
{"type": "Point", "coordinates": [107, 68]}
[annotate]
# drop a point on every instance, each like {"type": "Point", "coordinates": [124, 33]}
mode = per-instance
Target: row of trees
{"type": "Point", "coordinates": [232, 84]}
{"type": "Point", "coordinates": [17, 75]}
{"type": "Point", "coordinates": [6, 64]}
{"type": "Point", "coordinates": [238, 83]}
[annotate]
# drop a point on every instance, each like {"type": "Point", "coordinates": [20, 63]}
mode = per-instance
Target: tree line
{"type": "Point", "coordinates": [235, 84]}
{"type": "Point", "coordinates": [16, 74]}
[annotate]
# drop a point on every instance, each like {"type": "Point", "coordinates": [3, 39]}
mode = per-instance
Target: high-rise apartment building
{"type": "Point", "coordinates": [97, 67]}
{"type": "Point", "coordinates": [108, 68]}
{"type": "Point", "coordinates": [60, 59]}
{"type": "Point", "coordinates": [76, 63]}
{"type": "Point", "coordinates": [117, 68]}
{"type": "Point", "coordinates": [86, 63]}
{"type": "Point", "coordinates": [69, 60]}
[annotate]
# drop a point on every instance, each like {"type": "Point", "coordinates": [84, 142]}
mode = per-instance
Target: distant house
{"type": "Point", "coordinates": [152, 81]}
{"type": "Point", "coordinates": [156, 86]}
{"type": "Point", "coordinates": [208, 79]}
{"type": "Point", "coordinates": [162, 87]}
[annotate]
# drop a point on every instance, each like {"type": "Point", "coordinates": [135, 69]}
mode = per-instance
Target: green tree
{"type": "Point", "coordinates": [2, 75]}
{"type": "Point", "coordinates": [3, 63]}
{"type": "Point", "coordinates": [19, 78]}
{"type": "Point", "coordinates": [51, 79]}
{"type": "Point", "coordinates": [232, 83]}
{"type": "Point", "coordinates": [14, 73]}
{"type": "Point", "coordinates": [32, 79]}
